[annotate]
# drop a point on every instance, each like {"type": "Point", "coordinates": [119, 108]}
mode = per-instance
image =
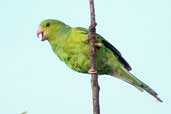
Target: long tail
{"type": "Point", "coordinates": [131, 79]}
{"type": "Point", "coordinates": [150, 91]}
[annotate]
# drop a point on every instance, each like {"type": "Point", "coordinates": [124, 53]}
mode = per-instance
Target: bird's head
{"type": "Point", "coordinates": [47, 28]}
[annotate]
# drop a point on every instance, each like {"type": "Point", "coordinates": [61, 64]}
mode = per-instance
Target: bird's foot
{"type": "Point", "coordinates": [98, 45]}
{"type": "Point", "coordinates": [92, 71]}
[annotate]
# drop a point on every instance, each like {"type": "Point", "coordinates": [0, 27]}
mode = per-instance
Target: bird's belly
{"type": "Point", "coordinates": [77, 57]}
{"type": "Point", "coordinates": [80, 62]}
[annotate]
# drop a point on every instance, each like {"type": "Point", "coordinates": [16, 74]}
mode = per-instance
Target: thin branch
{"type": "Point", "coordinates": [92, 71]}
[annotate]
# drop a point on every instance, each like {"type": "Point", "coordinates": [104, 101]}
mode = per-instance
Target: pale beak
{"type": "Point", "coordinates": [42, 33]}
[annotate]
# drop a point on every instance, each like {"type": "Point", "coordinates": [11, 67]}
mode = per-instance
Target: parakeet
{"type": "Point", "coordinates": [71, 45]}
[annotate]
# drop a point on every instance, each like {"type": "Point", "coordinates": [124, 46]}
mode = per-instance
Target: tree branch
{"type": "Point", "coordinates": [92, 71]}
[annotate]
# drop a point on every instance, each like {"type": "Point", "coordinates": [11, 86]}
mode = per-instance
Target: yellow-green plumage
{"type": "Point", "coordinates": [71, 46]}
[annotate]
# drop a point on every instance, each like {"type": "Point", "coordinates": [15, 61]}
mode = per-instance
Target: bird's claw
{"type": "Point", "coordinates": [98, 45]}
{"type": "Point", "coordinates": [92, 71]}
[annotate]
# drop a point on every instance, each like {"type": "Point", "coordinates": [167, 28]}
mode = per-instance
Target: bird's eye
{"type": "Point", "coordinates": [48, 24]}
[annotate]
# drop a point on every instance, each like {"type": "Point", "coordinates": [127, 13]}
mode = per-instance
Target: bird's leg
{"type": "Point", "coordinates": [92, 71]}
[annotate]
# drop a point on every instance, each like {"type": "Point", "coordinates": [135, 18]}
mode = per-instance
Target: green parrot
{"type": "Point", "coordinates": [71, 45]}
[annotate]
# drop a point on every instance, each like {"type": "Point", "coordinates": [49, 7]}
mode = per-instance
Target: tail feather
{"type": "Point", "coordinates": [131, 79]}
{"type": "Point", "coordinates": [142, 86]}
{"type": "Point", "coordinates": [150, 91]}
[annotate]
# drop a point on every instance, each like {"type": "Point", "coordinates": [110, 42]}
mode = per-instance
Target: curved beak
{"type": "Point", "coordinates": [42, 33]}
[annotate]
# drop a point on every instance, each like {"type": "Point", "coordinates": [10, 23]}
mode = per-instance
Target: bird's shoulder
{"type": "Point", "coordinates": [80, 30]}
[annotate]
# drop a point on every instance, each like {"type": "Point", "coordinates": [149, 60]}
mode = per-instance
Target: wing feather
{"type": "Point", "coordinates": [109, 46]}
{"type": "Point", "coordinates": [118, 54]}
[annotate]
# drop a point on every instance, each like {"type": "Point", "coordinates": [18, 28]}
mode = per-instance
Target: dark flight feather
{"type": "Point", "coordinates": [117, 53]}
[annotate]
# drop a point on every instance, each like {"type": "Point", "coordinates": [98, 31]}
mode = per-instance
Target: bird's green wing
{"type": "Point", "coordinates": [109, 46]}
{"type": "Point", "coordinates": [116, 52]}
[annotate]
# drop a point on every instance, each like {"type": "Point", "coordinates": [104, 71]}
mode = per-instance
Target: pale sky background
{"type": "Point", "coordinates": [33, 79]}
